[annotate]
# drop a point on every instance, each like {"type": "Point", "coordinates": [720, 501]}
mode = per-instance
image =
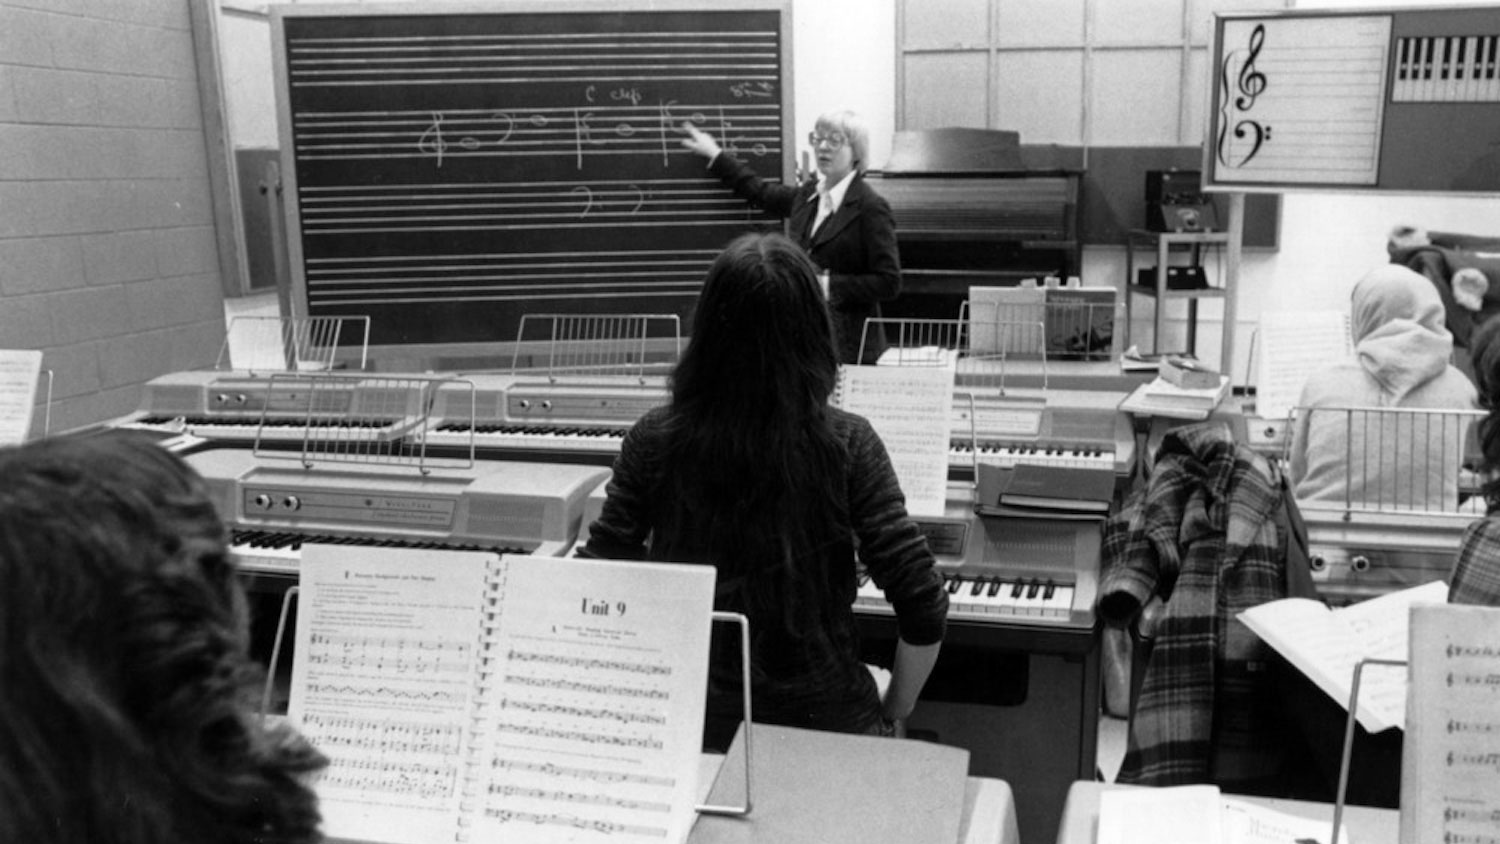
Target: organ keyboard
{"type": "Point", "coordinates": [245, 407]}
{"type": "Point", "coordinates": [1001, 570]}
{"type": "Point", "coordinates": [1075, 428]}
{"type": "Point", "coordinates": [582, 418]}
{"type": "Point", "coordinates": [273, 506]}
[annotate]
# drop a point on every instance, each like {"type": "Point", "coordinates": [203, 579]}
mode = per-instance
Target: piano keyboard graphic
{"type": "Point", "coordinates": [988, 598]}
{"type": "Point", "coordinates": [1447, 69]}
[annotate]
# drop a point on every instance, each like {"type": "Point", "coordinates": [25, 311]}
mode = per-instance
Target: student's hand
{"type": "Point", "coordinates": [700, 141]}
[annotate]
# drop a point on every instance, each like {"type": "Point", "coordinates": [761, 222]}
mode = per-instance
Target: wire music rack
{"type": "Point", "coordinates": [1395, 459]}
{"type": "Point", "coordinates": [558, 346]}
{"type": "Point", "coordinates": [293, 344]}
{"type": "Point", "coordinates": [332, 418]}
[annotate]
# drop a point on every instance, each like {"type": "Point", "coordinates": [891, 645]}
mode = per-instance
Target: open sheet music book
{"type": "Point", "coordinates": [468, 696]}
{"type": "Point", "coordinates": [1200, 814]}
{"type": "Point", "coordinates": [1450, 766]}
{"type": "Point", "coordinates": [20, 370]}
{"type": "Point", "coordinates": [1326, 644]}
{"type": "Point", "coordinates": [1292, 345]}
{"type": "Point", "coordinates": [911, 408]}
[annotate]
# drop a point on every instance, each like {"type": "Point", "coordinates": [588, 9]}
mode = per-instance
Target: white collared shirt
{"type": "Point", "coordinates": [829, 202]}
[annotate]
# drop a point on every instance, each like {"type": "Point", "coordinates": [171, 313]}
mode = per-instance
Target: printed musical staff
{"type": "Point", "coordinates": [609, 689]}
{"type": "Point", "coordinates": [385, 738]}
{"type": "Point", "coordinates": [555, 819]}
{"type": "Point", "coordinates": [1451, 754]}
{"type": "Point", "coordinates": [547, 769]}
{"type": "Point", "coordinates": [591, 713]}
{"type": "Point", "coordinates": [587, 663]}
{"type": "Point", "coordinates": [392, 778]}
{"type": "Point", "coordinates": [587, 798]}
{"type": "Point", "coordinates": [1301, 100]}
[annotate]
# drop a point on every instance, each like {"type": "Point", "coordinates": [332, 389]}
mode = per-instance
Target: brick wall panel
{"type": "Point", "coordinates": [25, 322]}
{"type": "Point", "coordinates": [187, 251]}
{"type": "Point", "coordinates": [136, 359]}
{"type": "Point", "coordinates": [120, 256]}
{"type": "Point", "coordinates": [38, 265]}
{"type": "Point", "coordinates": [45, 95]}
{"type": "Point", "coordinates": [26, 37]}
{"type": "Point", "coordinates": [89, 314]}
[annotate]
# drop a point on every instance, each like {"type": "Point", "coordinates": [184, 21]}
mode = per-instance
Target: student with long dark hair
{"type": "Point", "coordinates": [750, 470]}
{"type": "Point", "coordinates": [126, 691]}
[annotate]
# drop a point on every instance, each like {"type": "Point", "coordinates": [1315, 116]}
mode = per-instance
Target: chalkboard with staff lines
{"type": "Point", "coordinates": [448, 170]}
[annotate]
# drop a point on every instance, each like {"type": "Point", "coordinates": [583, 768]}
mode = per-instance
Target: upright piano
{"type": "Point", "coordinates": [969, 211]}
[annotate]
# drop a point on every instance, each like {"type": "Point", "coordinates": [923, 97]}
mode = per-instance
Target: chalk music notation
{"type": "Point", "coordinates": [608, 61]}
{"type": "Point", "coordinates": [1460, 813]}
{"type": "Point", "coordinates": [401, 777]}
{"type": "Point", "coordinates": [549, 770]}
{"type": "Point", "coordinates": [1447, 69]}
{"type": "Point", "coordinates": [1301, 100]}
{"type": "Point", "coordinates": [578, 132]}
{"type": "Point", "coordinates": [382, 737]}
{"type": "Point", "coordinates": [575, 822]}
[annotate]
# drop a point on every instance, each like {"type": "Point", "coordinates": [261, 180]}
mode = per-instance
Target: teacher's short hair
{"type": "Point", "coordinates": [855, 130]}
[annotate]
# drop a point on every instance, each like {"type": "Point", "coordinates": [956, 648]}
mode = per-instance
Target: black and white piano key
{"type": "Point", "coordinates": [1447, 68]}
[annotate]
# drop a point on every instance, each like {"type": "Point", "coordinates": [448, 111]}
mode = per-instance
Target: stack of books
{"type": "Point", "coordinates": [1161, 397]}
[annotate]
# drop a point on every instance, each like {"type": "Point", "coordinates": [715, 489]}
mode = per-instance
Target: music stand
{"type": "Point", "coordinates": [1348, 752]}
{"type": "Point", "coordinates": [744, 625]}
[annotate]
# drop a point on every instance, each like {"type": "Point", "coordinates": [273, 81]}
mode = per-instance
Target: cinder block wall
{"type": "Point", "coordinates": [108, 261]}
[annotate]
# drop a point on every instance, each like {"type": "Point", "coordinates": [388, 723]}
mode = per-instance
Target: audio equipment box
{"type": "Point", "coordinates": [1175, 202]}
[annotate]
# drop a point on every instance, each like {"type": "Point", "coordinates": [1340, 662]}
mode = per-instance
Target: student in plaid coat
{"type": "Point", "coordinates": [1476, 574]}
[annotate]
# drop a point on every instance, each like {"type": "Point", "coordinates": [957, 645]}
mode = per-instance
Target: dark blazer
{"type": "Point", "coordinates": [856, 245]}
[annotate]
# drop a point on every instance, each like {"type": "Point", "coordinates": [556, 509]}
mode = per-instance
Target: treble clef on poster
{"type": "Point", "coordinates": [1239, 141]}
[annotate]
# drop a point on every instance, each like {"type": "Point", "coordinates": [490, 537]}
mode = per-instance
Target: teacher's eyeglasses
{"type": "Point", "coordinates": [835, 140]}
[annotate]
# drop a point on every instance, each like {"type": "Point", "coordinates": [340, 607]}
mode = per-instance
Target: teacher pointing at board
{"type": "Point", "coordinates": [843, 224]}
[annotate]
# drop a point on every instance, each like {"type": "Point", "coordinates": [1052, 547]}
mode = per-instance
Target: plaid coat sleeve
{"type": "Point", "coordinates": [1476, 573]}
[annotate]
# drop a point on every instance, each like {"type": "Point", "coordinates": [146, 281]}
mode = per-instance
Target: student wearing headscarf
{"type": "Point", "coordinates": [1348, 447]}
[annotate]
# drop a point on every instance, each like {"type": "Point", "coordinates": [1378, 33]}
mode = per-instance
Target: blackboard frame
{"type": "Point", "coordinates": [1423, 145]}
{"type": "Point", "coordinates": [500, 349]}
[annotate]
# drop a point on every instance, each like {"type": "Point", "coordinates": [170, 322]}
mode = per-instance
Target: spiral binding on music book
{"type": "Point", "coordinates": [473, 765]}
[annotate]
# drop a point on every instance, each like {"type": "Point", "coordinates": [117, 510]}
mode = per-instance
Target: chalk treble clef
{"type": "Point", "coordinates": [1252, 83]}
{"type": "Point", "coordinates": [431, 140]}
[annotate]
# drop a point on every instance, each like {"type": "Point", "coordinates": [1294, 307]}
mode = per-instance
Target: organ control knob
{"type": "Point", "coordinates": [525, 404]}
{"type": "Point", "coordinates": [240, 398]}
{"type": "Point", "coordinates": [292, 502]}
{"type": "Point", "coordinates": [546, 404]}
{"type": "Point", "coordinates": [263, 501]}
{"type": "Point", "coordinates": [1359, 562]}
{"type": "Point", "coordinates": [1316, 562]}
{"type": "Point", "coordinates": [222, 398]}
